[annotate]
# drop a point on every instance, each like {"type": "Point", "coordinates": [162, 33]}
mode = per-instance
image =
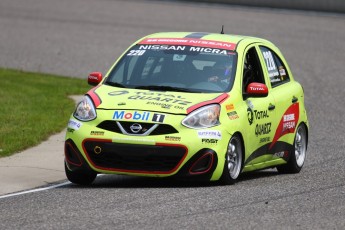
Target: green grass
{"type": "Point", "coordinates": [34, 106]}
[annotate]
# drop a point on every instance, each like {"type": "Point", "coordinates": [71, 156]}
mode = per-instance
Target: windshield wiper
{"type": "Point", "coordinates": [115, 84]}
{"type": "Point", "coordinates": [165, 88]}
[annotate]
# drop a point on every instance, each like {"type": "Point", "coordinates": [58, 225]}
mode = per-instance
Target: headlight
{"type": "Point", "coordinates": [204, 117]}
{"type": "Point", "coordinates": [85, 110]}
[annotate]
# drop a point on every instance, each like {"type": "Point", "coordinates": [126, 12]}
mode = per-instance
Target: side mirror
{"type": "Point", "coordinates": [94, 78]}
{"type": "Point", "coordinates": [256, 89]}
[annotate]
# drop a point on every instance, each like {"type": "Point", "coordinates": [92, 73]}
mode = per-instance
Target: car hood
{"type": "Point", "coordinates": [109, 97]}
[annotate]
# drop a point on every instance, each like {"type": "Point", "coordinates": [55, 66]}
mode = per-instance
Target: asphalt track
{"type": "Point", "coordinates": [75, 37]}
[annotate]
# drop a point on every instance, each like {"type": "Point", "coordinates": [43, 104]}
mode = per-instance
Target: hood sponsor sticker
{"type": "Point", "coordinates": [74, 124]}
{"type": "Point", "coordinates": [210, 134]}
{"type": "Point", "coordinates": [164, 100]}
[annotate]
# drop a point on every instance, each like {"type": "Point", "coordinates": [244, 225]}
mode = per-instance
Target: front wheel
{"type": "Point", "coordinates": [79, 177]}
{"type": "Point", "coordinates": [296, 160]}
{"type": "Point", "coordinates": [233, 161]}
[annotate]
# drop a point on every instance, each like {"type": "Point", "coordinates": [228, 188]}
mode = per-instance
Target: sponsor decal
{"type": "Point", "coordinates": [178, 48]}
{"type": "Point", "coordinates": [160, 99]}
{"type": "Point", "coordinates": [213, 134]}
{"type": "Point", "coordinates": [158, 117]}
{"type": "Point", "coordinates": [262, 129]}
{"type": "Point", "coordinates": [209, 141]}
{"type": "Point", "coordinates": [188, 42]}
{"type": "Point", "coordinates": [250, 116]}
{"type": "Point", "coordinates": [70, 130]}
{"type": "Point", "coordinates": [155, 97]}
{"type": "Point", "coordinates": [229, 107]}
{"type": "Point", "coordinates": [137, 116]}
{"type": "Point", "coordinates": [261, 114]}
{"type": "Point", "coordinates": [256, 115]}
{"type": "Point", "coordinates": [287, 123]}
{"type": "Point", "coordinates": [162, 105]}
{"type": "Point", "coordinates": [73, 124]}
{"type": "Point", "coordinates": [97, 133]}
{"type": "Point", "coordinates": [172, 138]}
{"type": "Point", "coordinates": [256, 88]}
{"type": "Point", "coordinates": [265, 139]}
{"type": "Point", "coordinates": [233, 115]}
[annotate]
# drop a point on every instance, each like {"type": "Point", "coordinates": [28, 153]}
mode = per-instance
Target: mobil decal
{"type": "Point", "coordinates": [137, 116]}
{"type": "Point", "coordinates": [287, 123]}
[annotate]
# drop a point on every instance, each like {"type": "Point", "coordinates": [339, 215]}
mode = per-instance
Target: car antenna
{"type": "Point", "coordinates": [222, 32]}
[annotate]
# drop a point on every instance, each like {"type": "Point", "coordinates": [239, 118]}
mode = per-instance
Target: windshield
{"type": "Point", "coordinates": [175, 68]}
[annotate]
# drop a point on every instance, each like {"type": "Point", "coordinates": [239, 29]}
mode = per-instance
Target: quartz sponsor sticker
{"type": "Point", "coordinates": [210, 134]}
{"type": "Point", "coordinates": [73, 124]}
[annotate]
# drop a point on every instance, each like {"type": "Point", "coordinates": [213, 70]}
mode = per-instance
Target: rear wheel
{"type": "Point", "coordinates": [233, 161]}
{"type": "Point", "coordinates": [296, 160]}
{"type": "Point", "coordinates": [80, 177]}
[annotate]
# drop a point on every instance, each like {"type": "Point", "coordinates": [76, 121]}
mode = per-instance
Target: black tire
{"type": "Point", "coordinates": [297, 159]}
{"type": "Point", "coordinates": [233, 161]}
{"type": "Point", "coordinates": [80, 177]}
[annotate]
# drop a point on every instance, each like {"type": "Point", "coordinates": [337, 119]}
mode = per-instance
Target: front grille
{"type": "Point", "coordinates": [136, 158]}
{"type": "Point", "coordinates": [112, 126]}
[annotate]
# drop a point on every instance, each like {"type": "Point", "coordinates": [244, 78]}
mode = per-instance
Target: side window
{"type": "Point", "coordinates": [275, 67]}
{"type": "Point", "coordinates": [252, 71]}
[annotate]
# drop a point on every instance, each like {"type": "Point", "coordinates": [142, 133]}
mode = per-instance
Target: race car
{"type": "Point", "coordinates": [190, 105]}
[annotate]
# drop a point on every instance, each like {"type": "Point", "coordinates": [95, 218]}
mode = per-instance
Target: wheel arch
{"type": "Point", "coordinates": [307, 130]}
{"type": "Point", "coordinates": [239, 134]}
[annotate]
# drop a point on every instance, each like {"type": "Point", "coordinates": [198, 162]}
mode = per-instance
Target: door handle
{"type": "Point", "coordinates": [271, 107]}
{"type": "Point", "coordinates": [294, 99]}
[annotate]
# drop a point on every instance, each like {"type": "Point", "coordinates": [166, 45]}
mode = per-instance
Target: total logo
{"type": "Point", "coordinates": [137, 116]}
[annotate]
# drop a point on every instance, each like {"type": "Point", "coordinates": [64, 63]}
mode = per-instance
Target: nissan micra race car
{"type": "Point", "coordinates": [190, 105]}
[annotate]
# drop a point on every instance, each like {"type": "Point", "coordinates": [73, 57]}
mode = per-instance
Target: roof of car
{"type": "Point", "coordinates": [194, 38]}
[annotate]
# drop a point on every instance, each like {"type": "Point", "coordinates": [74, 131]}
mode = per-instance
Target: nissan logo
{"type": "Point", "coordinates": [136, 128]}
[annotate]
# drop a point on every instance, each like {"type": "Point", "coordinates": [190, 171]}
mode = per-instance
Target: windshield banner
{"type": "Point", "coordinates": [189, 42]}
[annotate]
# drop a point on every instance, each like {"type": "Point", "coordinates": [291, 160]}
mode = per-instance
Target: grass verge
{"type": "Point", "coordinates": [33, 107]}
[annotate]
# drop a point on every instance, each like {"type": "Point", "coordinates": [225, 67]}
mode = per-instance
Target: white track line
{"type": "Point", "coordinates": [35, 190]}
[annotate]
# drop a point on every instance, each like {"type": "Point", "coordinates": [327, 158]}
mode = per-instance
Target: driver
{"type": "Point", "coordinates": [220, 72]}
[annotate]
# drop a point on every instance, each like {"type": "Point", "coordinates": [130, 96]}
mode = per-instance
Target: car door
{"type": "Point", "coordinates": [285, 94]}
{"type": "Point", "coordinates": [259, 111]}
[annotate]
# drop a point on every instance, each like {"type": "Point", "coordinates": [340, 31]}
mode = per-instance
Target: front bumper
{"type": "Point", "coordinates": [169, 150]}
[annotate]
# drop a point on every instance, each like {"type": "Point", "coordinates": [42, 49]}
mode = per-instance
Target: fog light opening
{"type": "Point", "coordinates": [71, 155]}
{"type": "Point", "coordinates": [202, 165]}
